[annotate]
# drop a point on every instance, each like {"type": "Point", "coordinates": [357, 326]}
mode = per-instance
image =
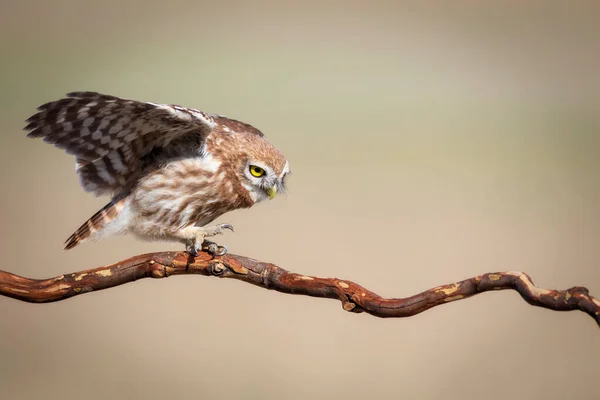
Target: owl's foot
{"type": "Point", "coordinates": [214, 249]}
{"type": "Point", "coordinates": [210, 247]}
{"type": "Point", "coordinates": [197, 243]}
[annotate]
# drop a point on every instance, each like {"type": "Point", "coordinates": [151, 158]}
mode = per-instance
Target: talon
{"type": "Point", "coordinates": [191, 248]}
{"type": "Point", "coordinates": [227, 226]}
{"type": "Point", "coordinates": [212, 249]}
{"type": "Point", "coordinates": [222, 250]}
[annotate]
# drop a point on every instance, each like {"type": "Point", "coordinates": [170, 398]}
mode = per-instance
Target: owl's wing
{"type": "Point", "coordinates": [110, 136]}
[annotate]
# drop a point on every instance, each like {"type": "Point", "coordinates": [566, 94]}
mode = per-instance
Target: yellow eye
{"type": "Point", "coordinates": [256, 171]}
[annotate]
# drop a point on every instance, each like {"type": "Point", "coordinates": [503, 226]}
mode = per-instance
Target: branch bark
{"type": "Point", "coordinates": [354, 297]}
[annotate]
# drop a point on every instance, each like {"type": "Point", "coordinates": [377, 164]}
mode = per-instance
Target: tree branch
{"type": "Point", "coordinates": [354, 297]}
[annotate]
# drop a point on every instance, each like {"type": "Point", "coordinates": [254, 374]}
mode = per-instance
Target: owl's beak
{"type": "Point", "coordinates": [272, 191]}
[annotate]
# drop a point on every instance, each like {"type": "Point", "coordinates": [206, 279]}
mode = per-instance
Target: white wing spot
{"type": "Point", "coordinates": [105, 122]}
{"type": "Point", "coordinates": [116, 161]}
{"type": "Point", "coordinates": [115, 128]}
{"type": "Point", "coordinates": [123, 133]}
{"type": "Point", "coordinates": [103, 173]}
{"type": "Point", "coordinates": [97, 135]}
{"type": "Point", "coordinates": [88, 121]}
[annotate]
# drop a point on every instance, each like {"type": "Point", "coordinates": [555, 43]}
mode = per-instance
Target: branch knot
{"type": "Point", "coordinates": [217, 268]}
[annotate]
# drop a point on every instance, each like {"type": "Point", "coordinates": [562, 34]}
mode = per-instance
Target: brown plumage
{"type": "Point", "coordinates": [95, 224]}
{"type": "Point", "coordinates": [170, 170]}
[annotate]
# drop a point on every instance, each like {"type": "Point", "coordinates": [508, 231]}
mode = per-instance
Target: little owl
{"type": "Point", "coordinates": [170, 170]}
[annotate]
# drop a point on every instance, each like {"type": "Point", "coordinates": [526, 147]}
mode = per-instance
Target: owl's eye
{"type": "Point", "coordinates": [256, 171]}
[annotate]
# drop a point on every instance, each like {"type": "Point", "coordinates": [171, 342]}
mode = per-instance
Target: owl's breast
{"type": "Point", "coordinates": [185, 192]}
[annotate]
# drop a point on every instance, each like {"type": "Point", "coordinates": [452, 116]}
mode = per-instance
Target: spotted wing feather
{"type": "Point", "coordinates": [111, 136]}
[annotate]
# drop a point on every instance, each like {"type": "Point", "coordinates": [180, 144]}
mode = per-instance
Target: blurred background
{"type": "Point", "coordinates": [429, 142]}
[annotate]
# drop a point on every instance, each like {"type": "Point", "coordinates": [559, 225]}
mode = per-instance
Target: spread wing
{"type": "Point", "coordinates": [111, 136]}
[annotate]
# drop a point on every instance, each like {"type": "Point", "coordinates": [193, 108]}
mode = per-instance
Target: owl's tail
{"type": "Point", "coordinates": [96, 223]}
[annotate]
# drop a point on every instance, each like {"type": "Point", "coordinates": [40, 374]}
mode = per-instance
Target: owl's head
{"type": "Point", "coordinates": [264, 179]}
{"type": "Point", "coordinates": [260, 167]}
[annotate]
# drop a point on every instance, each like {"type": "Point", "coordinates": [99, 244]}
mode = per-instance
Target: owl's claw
{"type": "Point", "coordinates": [191, 248]}
{"type": "Point", "coordinates": [198, 243]}
{"type": "Point", "coordinates": [215, 230]}
{"type": "Point", "coordinates": [214, 249]}
{"type": "Point", "coordinates": [227, 226]}
{"type": "Point", "coordinates": [210, 247]}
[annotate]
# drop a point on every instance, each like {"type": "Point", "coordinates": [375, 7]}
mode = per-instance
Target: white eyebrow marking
{"type": "Point", "coordinates": [286, 169]}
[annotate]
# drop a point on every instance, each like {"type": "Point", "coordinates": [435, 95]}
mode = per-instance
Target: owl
{"type": "Point", "coordinates": [170, 170]}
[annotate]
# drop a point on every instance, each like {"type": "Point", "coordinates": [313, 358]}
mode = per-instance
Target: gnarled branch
{"type": "Point", "coordinates": [354, 297]}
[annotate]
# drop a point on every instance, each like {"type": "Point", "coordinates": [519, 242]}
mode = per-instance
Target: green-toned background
{"type": "Point", "coordinates": [429, 142]}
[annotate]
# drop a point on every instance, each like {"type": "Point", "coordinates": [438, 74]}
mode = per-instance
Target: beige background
{"type": "Point", "coordinates": [429, 142]}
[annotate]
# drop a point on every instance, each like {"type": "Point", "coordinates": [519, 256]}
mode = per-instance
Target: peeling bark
{"type": "Point", "coordinates": [354, 297]}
